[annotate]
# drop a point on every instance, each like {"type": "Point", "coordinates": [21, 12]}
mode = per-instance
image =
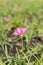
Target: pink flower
{"type": "Point", "coordinates": [20, 1]}
{"type": "Point", "coordinates": [20, 9]}
{"type": "Point", "coordinates": [27, 0]}
{"type": "Point", "coordinates": [5, 1]}
{"type": "Point", "coordinates": [7, 18]}
{"type": "Point", "coordinates": [26, 6]}
{"type": "Point", "coordinates": [15, 7]}
{"type": "Point", "coordinates": [20, 31]}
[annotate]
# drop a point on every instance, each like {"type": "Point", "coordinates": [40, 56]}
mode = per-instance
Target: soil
{"type": "Point", "coordinates": [18, 44]}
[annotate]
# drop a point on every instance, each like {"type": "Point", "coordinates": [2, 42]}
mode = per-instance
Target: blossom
{"type": "Point", "coordinates": [7, 18]}
{"type": "Point", "coordinates": [26, 6]}
{"type": "Point", "coordinates": [19, 31]}
{"type": "Point", "coordinates": [20, 9]}
{"type": "Point", "coordinates": [15, 7]}
{"type": "Point", "coordinates": [5, 1]}
{"type": "Point", "coordinates": [27, 0]}
{"type": "Point", "coordinates": [20, 1]}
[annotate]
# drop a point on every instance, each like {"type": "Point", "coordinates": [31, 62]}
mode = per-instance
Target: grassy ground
{"type": "Point", "coordinates": [27, 50]}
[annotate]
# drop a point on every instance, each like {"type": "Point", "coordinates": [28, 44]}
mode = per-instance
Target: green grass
{"type": "Point", "coordinates": [31, 18]}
